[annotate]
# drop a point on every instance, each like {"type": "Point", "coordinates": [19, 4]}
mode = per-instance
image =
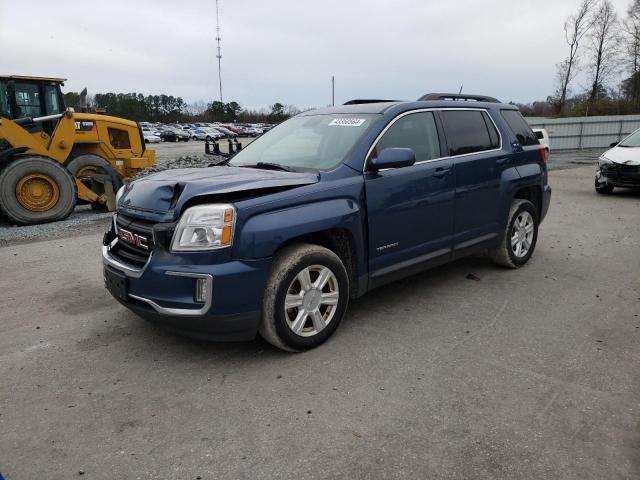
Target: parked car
{"type": "Point", "coordinates": [543, 137]}
{"type": "Point", "coordinates": [226, 132]}
{"type": "Point", "coordinates": [620, 166]}
{"type": "Point", "coordinates": [233, 128]}
{"type": "Point", "coordinates": [174, 135]}
{"type": "Point", "coordinates": [198, 134]}
{"type": "Point", "coordinates": [150, 137]}
{"type": "Point", "coordinates": [332, 204]}
{"type": "Point", "coordinates": [212, 133]}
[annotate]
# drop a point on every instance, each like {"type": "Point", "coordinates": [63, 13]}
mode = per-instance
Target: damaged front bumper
{"type": "Point", "coordinates": [618, 175]}
{"type": "Point", "coordinates": [210, 296]}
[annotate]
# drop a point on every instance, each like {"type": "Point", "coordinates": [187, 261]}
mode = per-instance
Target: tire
{"type": "Point", "coordinates": [507, 254]}
{"type": "Point", "coordinates": [48, 187]}
{"type": "Point", "coordinates": [604, 188]}
{"type": "Point", "coordinates": [278, 324]}
{"type": "Point", "coordinates": [96, 164]}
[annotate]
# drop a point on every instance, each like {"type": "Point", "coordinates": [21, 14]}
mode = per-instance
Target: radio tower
{"type": "Point", "coordinates": [219, 55]}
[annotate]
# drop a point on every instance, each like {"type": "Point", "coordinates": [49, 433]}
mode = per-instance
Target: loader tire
{"type": "Point", "coordinates": [36, 190]}
{"type": "Point", "coordinates": [83, 167]}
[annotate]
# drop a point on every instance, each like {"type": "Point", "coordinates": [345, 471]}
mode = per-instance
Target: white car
{"type": "Point", "coordinates": [620, 166]}
{"type": "Point", "coordinates": [150, 137]}
{"type": "Point", "coordinates": [543, 137]}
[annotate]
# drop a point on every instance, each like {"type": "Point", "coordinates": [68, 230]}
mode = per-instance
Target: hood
{"type": "Point", "coordinates": [624, 155]}
{"type": "Point", "coordinates": [161, 196]}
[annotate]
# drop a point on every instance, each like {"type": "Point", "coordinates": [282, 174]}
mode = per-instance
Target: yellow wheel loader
{"type": "Point", "coordinates": [52, 157]}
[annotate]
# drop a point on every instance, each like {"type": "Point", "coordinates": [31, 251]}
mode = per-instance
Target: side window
{"type": "Point", "coordinates": [520, 127]}
{"type": "Point", "coordinates": [28, 100]}
{"type": "Point", "coordinates": [467, 131]}
{"type": "Point", "coordinates": [5, 110]}
{"type": "Point", "coordinates": [417, 131]}
{"type": "Point", "coordinates": [52, 100]}
{"type": "Point", "coordinates": [493, 133]}
{"type": "Point", "coordinates": [119, 138]}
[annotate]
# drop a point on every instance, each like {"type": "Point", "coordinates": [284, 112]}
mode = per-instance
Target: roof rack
{"type": "Point", "coordinates": [359, 101]}
{"type": "Point", "coordinates": [459, 97]}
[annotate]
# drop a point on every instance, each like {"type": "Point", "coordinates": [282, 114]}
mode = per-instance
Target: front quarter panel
{"type": "Point", "coordinates": [261, 235]}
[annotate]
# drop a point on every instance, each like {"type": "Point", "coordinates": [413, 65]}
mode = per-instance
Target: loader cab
{"type": "Point", "coordinates": [31, 97]}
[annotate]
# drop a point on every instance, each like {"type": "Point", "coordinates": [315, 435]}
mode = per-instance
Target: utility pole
{"type": "Point", "coordinates": [333, 91]}
{"type": "Point", "coordinates": [219, 55]}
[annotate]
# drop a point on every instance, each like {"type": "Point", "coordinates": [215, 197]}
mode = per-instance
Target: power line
{"type": "Point", "coordinates": [219, 55]}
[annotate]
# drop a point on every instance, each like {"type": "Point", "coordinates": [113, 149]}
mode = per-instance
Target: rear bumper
{"type": "Point", "coordinates": [546, 201]}
{"type": "Point", "coordinates": [146, 160]}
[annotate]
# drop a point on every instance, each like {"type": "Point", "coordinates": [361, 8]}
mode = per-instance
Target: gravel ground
{"type": "Point", "coordinates": [171, 155]}
{"type": "Point", "coordinates": [465, 372]}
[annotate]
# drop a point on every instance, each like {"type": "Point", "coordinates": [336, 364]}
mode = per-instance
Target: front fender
{"type": "Point", "coordinates": [262, 234]}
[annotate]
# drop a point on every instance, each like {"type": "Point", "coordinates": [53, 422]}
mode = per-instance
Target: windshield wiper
{"type": "Point", "coordinates": [270, 166]}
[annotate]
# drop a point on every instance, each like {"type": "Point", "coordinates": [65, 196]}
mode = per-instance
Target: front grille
{"type": "Point", "coordinates": [133, 236]}
{"type": "Point", "coordinates": [622, 173]}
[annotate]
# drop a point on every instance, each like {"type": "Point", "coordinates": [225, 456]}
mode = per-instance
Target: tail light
{"type": "Point", "coordinates": [544, 154]}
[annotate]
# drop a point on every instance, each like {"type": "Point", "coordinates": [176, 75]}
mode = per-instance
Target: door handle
{"type": "Point", "coordinates": [442, 172]}
{"type": "Point", "coordinates": [502, 161]}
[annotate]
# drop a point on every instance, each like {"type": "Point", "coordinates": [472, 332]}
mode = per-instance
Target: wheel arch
{"type": "Point", "coordinates": [334, 224]}
{"type": "Point", "coordinates": [532, 193]}
{"type": "Point", "coordinates": [341, 242]}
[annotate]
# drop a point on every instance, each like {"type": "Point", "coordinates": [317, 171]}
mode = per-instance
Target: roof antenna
{"type": "Point", "coordinates": [461, 89]}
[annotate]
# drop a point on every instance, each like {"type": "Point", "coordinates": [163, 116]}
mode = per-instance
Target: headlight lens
{"type": "Point", "coordinates": [205, 227]}
{"type": "Point", "coordinates": [604, 160]}
{"type": "Point", "coordinates": [119, 195]}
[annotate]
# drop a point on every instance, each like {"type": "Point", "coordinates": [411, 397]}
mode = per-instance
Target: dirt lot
{"type": "Point", "coordinates": [520, 374]}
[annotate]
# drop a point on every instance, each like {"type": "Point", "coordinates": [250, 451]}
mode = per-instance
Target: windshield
{"type": "Point", "coordinates": [632, 140]}
{"type": "Point", "coordinates": [317, 142]}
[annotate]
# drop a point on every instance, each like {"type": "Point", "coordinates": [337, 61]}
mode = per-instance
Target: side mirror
{"type": "Point", "coordinates": [614, 144]}
{"type": "Point", "coordinates": [393, 158]}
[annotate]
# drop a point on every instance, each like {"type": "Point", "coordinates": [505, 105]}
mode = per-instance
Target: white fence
{"type": "Point", "coordinates": [586, 132]}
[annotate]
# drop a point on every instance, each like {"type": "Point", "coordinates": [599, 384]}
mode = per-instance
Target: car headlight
{"type": "Point", "coordinates": [604, 160]}
{"type": "Point", "coordinates": [119, 195]}
{"type": "Point", "coordinates": [205, 227]}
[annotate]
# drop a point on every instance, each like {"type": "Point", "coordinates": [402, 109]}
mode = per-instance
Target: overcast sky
{"type": "Point", "coordinates": [287, 50]}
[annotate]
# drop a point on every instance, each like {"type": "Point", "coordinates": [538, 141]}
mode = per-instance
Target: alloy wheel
{"type": "Point", "coordinates": [522, 234]}
{"type": "Point", "coordinates": [311, 300]}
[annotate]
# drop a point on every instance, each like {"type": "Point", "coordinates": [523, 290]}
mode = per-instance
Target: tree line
{"type": "Point", "coordinates": [605, 48]}
{"type": "Point", "coordinates": [170, 109]}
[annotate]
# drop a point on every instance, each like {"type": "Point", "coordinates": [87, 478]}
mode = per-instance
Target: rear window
{"type": "Point", "coordinates": [520, 127]}
{"type": "Point", "coordinates": [469, 131]}
{"type": "Point", "coordinates": [119, 138]}
{"type": "Point", "coordinates": [539, 134]}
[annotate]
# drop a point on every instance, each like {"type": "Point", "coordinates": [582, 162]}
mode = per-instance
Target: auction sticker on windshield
{"type": "Point", "coordinates": [347, 122]}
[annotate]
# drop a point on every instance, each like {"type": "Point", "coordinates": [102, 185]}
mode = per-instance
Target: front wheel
{"type": "Point", "coordinates": [520, 236]}
{"type": "Point", "coordinates": [36, 190]}
{"type": "Point", "coordinates": [603, 188]}
{"type": "Point", "coordinates": [305, 298]}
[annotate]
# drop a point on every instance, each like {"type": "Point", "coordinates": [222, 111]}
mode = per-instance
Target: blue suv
{"type": "Point", "coordinates": [323, 208]}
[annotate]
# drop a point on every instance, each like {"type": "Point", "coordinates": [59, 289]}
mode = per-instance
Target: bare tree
{"type": "Point", "coordinates": [603, 49]}
{"type": "Point", "coordinates": [575, 28]}
{"type": "Point", "coordinates": [631, 33]}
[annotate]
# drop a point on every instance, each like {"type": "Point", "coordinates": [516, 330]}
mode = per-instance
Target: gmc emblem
{"type": "Point", "coordinates": [133, 238]}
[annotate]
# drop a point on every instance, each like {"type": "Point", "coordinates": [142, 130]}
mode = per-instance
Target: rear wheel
{"type": "Point", "coordinates": [520, 236]}
{"type": "Point", "coordinates": [305, 298]}
{"type": "Point", "coordinates": [36, 190]}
